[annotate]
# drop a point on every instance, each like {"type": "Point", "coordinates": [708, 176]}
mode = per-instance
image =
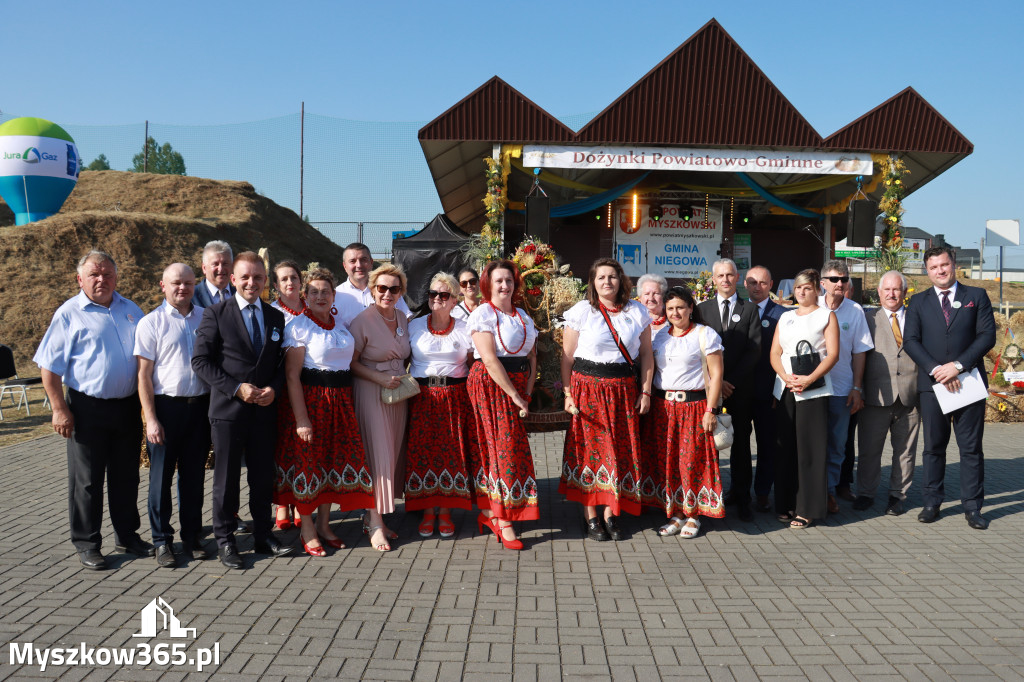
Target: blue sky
{"type": "Point", "coordinates": [190, 63]}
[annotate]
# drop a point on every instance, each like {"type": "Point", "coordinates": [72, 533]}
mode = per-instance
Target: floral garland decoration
{"type": "Point", "coordinates": [891, 241]}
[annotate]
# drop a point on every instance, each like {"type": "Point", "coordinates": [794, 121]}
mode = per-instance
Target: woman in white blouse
{"type": "Point", "coordinates": [681, 474]}
{"type": "Point", "coordinates": [319, 456]}
{"type": "Point", "coordinates": [440, 418]}
{"type": "Point", "coordinates": [288, 285]}
{"type": "Point", "coordinates": [801, 459]}
{"type": "Point", "coordinates": [606, 346]}
{"type": "Point", "coordinates": [469, 286]}
{"type": "Point", "coordinates": [499, 387]}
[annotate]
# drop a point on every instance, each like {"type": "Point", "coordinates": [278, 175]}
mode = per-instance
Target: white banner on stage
{"type": "Point", "coordinates": [685, 158]}
{"type": "Point", "coordinates": [671, 247]}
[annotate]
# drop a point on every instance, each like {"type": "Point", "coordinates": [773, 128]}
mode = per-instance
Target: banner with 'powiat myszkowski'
{"type": "Point", "coordinates": [672, 246]}
{"type": "Point", "coordinates": [685, 158]}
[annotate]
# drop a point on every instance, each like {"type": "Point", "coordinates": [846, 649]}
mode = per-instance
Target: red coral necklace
{"type": "Point", "coordinates": [442, 332]}
{"type": "Point", "coordinates": [294, 313]}
{"type": "Point", "coordinates": [515, 313]}
{"type": "Point", "coordinates": [309, 314]}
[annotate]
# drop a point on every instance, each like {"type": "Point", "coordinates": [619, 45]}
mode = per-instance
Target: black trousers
{"type": "Point", "coordinates": [106, 443]}
{"type": "Point", "coordinates": [254, 439]}
{"type": "Point", "coordinates": [969, 424]}
{"type": "Point", "coordinates": [741, 469]}
{"type": "Point", "coordinates": [764, 436]}
{"type": "Point", "coordinates": [801, 462]}
{"type": "Point", "coordinates": [846, 473]}
{"type": "Point", "coordinates": [186, 443]}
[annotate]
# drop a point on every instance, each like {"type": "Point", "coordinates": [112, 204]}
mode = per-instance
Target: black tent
{"type": "Point", "coordinates": [435, 248]}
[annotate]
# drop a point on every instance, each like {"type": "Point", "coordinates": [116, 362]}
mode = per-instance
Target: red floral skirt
{"type": "Point", "coordinates": [601, 460]}
{"type": "Point", "coordinates": [330, 469]}
{"type": "Point", "coordinates": [501, 461]}
{"type": "Point", "coordinates": [680, 463]}
{"type": "Point", "coordinates": [441, 428]}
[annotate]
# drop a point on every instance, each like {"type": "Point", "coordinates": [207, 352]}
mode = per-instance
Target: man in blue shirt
{"type": "Point", "coordinates": [89, 346]}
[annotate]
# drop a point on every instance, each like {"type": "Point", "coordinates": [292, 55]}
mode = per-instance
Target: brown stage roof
{"type": "Point", "coordinates": [707, 93]}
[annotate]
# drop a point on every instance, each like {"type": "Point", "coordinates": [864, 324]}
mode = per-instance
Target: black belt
{"type": "Point", "coordinates": [434, 382]}
{"type": "Point", "coordinates": [78, 394]}
{"type": "Point", "coordinates": [680, 396]}
{"type": "Point", "coordinates": [325, 378]}
{"type": "Point", "coordinates": [187, 399]}
{"type": "Point", "coordinates": [514, 365]}
{"type": "Point", "coordinates": [604, 370]}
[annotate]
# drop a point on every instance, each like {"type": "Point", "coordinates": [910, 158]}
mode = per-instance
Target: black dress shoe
{"type": "Point", "coordinates": [195, 549]}
{"type": "Point", "coordinates": [165, 556]}
{"type": "Point", "coordinates": [242, 526]}
{"type": "Point", "coordinates": [894, 507]}
{"type": "Point", "coordinates": [596, 531]}
{"type": "Point", "coordinates": [273, 547]}
{"type": "Point", "coordinates": [136, 546]}
{"type": "Point", "coordinates": [863, 503]}
{"type": "Point", "coordinates": [843, 493]}
{"type": "Point", "coordinates": [976, 521]}
{"type": "Point", "coordinates": [928, 514]}
{"type": "Point", "coordinates": [92, 559]}
{"type": "Point", "coordinates": [229, 557]}
{"type": "Point", "coordinates": [611, 524]}
{"type": "Point", "coordinates": [743, 511]}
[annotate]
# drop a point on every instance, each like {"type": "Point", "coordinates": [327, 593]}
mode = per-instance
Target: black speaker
{"type": "Point", "coordinates": [538, 217]}
{"type": "Point", "coordinates": [860, 225]}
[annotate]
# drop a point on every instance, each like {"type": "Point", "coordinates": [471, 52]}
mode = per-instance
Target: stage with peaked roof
{"type": "Point", "coordinates": [708, 94]}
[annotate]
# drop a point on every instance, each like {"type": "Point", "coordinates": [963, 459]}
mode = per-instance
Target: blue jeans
{"type": "Point", "coordinates": [838, 425]}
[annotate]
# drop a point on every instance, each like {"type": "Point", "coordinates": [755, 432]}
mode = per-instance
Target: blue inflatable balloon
{"type": "Point", "coordinates": [39, 167]}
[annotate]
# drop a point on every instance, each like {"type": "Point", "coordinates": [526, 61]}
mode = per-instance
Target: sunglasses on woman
{"type": "Point", "coordinates": [395, 290]}
{"type": "Point", "coordinates": [469, 283]}
{"type": "Point", "coordinates": [443, 295]}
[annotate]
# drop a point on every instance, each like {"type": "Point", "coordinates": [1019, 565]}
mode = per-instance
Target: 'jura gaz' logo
{"type": "Point", "coordinates": [31, 155]}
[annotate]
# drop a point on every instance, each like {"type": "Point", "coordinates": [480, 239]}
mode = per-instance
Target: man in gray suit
{"type": "Point", "coordinates": [890, 401]}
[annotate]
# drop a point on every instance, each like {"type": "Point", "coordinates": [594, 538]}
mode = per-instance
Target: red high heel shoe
{"type": "Point", "coordinates": [313, 551]}
{"type": "Point", "coordinates": [516, 544]}
{"type": "Point", "coordinates": [488, 521]}
{"type": "Point", "coordinates": [298, 518]}
{"type": "Point", "coordinates": [285, 523]}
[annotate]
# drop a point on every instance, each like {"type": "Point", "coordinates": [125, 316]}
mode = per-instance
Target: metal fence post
{"type": "Point", "coordinates": [359, 233]}
{"type": "Point", "coordinates": [302, 159]}
{"type": "Point", "coordinates": [145, 151]}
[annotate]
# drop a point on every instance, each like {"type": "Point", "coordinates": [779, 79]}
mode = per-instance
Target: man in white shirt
{"type": "Point", "coordinates": [847, 375]}
{"type": "Point", "coordinates": [216, 285]}
{"type": "Point", "coordinates": [354, 294]}
{"type": "Point", "coordinates": [88, 349]}
{"type": "Point", "coordinates": [890, 401]}
{"type": "Point", "coordinates": [176, 404]}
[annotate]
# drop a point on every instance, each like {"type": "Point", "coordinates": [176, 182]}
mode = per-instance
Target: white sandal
{"type": "Point", "coordinates": [673, 527]}
{"type": "Point", "coordinates": [690, 529]}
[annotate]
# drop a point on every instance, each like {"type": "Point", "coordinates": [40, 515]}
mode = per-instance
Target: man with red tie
{"type": "Point", "coordinates": [949, 328]}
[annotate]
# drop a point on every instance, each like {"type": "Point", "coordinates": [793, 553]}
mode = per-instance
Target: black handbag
{"type": "Point", "coordinates": [805, 362]}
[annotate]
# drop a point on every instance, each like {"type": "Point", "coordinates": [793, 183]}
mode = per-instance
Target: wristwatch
{"type": "Point", "coordinates": [958, 366]}
{"type": "Point", "coordinates": [714, 410]}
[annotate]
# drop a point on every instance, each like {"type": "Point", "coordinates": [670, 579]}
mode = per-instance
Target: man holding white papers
{"type": "Point", "coordinates": [949, 328]}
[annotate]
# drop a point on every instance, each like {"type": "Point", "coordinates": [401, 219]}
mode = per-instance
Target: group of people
{"type": "Point", "coordinates": [312, 393]}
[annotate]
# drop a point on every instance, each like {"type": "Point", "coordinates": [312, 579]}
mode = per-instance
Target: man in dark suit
{"type": "Point", "coordinates": [216, 285]}
{"type": "Point", "coordinates": [238, 354]}
{"type": "Point", "coordinates": [890, 401]}
{"type": "Point", "coordinates": [736, 321]}
{"type": "Point", "coordinates": [759, 285]}
{"type": "Point", "coordinates": [949, 329]}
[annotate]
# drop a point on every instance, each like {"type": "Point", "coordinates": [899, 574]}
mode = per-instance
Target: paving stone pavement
{"type": "Point", "coordinates": [862, 596]}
